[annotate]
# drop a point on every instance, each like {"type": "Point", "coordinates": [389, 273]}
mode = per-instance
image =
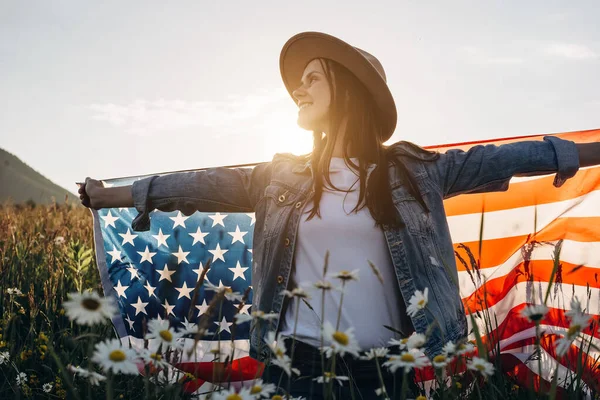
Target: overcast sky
{"type": "Point", "coordinates": [111, 89]}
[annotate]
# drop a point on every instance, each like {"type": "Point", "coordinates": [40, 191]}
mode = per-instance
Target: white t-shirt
{"type": "Point", "coordinates": [352, 239]}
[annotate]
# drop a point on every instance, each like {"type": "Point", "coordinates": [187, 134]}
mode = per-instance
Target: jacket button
{"type": "Point", "coordinates": [281, 198]}
{"type": "Point", "coordinates": [298, 204]}
{"type": "Point", "coordinates": [280, 279]}
{"type": "Point", "coordinates": [287, 242]}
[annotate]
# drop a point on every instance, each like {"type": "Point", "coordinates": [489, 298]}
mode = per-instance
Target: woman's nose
{"type": "Point", "coordinates": [299, 93]}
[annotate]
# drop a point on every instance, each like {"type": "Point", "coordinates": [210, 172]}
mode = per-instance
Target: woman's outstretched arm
{"type": "Point", "coordinates": [589, 154]}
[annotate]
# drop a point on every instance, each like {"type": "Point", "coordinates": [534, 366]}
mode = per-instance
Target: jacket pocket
{"type": "Point", "coordinates": [278, 201]}
{"type": "Point", "coordinates": [415, 217]}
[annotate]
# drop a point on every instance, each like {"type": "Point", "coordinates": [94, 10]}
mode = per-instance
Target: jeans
{"type": "Point", "coordinates": [364, 378]}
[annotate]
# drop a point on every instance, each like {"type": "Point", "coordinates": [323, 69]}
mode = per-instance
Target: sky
{"type": "Point", "coordinates": [113, 89]}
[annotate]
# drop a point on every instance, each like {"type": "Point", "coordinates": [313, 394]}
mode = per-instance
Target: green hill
{"type": "Point", "coordinates": [20, 183]}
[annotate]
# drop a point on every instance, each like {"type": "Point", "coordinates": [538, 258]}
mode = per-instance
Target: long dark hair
{"type": "Point", "coordinates": [363, 139]}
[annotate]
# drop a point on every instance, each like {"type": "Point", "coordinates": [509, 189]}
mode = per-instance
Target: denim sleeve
{"type": "Point", "coordinates": [215, 189]}
{"type": "Point", "coordinates": [489, 168]}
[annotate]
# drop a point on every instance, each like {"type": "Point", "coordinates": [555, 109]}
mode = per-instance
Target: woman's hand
{"type": "Point", "coordinates": [90, 193]}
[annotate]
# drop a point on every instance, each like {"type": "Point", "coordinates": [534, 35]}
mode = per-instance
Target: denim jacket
{"type": "Point", "coordinates": [277, 191]}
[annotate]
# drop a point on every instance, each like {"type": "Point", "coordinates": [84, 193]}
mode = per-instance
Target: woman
{"type": "Point", "coordinates": [357, 199]}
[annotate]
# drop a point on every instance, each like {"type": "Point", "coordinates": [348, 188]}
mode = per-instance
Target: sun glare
{"type": "Point", "coordinates": [283, 135]}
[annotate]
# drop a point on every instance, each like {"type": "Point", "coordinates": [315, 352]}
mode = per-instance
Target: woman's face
{"type": "Point", "coordinates": [313, 98]}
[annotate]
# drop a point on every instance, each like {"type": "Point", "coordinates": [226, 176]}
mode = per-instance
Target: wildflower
{"type": "Point", "coordinates": [88, 308]}
{"type": "Point", "coordinates": [323, 285]}
{"type": "Point", "coordinates": [378, 352]}
{"type": "Point", "coordinates": [154, 359]}
{"type": "Point", "coordinates": [282, 360]}
{"type": "Point", "coordinates": [464, 348]}
{"type": "Point", "coordinates": [255, 315]}
{"type": "Point", "coordinates": [339, 342]}
{"type": "Point", "coordinates": [578, 323]}
{"type": "Point", "coordinates": [188, 327]}
{"type": "Point", "coordinates": [415, 341]}
{"type": "Point", "coordinates": [449, 348]}
{"type": "Point", "coordinates": [47, 387]}
{"type": "Point", "coordinates": [4, 357]}
{"type": "Point", "coordinates": [479, 364]}
{"type": "Point", "coordinates": [417, 302]}
{"type": "Point", "coordinates": [14, 292]}
{"type": "Point", "coordinates": [226, 291]}
{"type": "Point", "coordinates": [261, 389]}
{"type": "Point", "coordinates": [327, 376]}
{"type": "Point", "coordinates": [458, 385]}
{"type": "Point", "coordinates": [413, 358]}
{"type": "Point", "coordinates": [297, 292]}
{"type": "Point", "coordinates": [59, 240]}
{"type": "Point", "coordinates": [401, 343]}
{"type": "Point", "coordinates": [346, 276]}
{"type": "Point", "coordinates": [381, 391]}
{"type": "Point", "coordinates": [21, 378]}
{"type": "Point", "coordinates": [112, 356]}
{"type": "Point", "coordinates": [575, 308]}
{"type": "Point", "coordinates": [440, 361]}
{"type": "Point", "coordinates": [231, 394]}
{"type": "Point", "coordinates": [421, 397]}
{"type": "Point", "coordinates": [534, 313]}
{"type": "Point", "coordinates": [160, 330]}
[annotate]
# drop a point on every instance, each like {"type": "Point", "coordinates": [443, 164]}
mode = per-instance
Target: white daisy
{"type": "Point", "coordinates": [285, 363]}
{"type": "Point", "coordinates": [111, 355]}
{"type": "Point", "coordinates": [399, 342]}
{"type": "Point", "coordinates": [534, 313]}
{"type": "Point", "coordinates": [449, 348]}
{"type": "Point", "coordinates": [575, 307]}
{"type": "Point", "coordinates": [415, 341]}
{"type": "Point", "coordinates": [327, 376]}
{"type": "Point", "coordinates": [578, 323]}
{"type": "Point", "coordinates": [93, 377]}
{"type": "Point", "coordinates": [152, 358]}
{"type": "Point", "coordinates": [417, 302]}
{"type": "Point", "coordinates": [14, 292]}
{"type": "Point", "coordinates": [232, 394]}
{"type": "Point", "coordinates": [346, 276]}
{"type": "Point", "coordinates": [4, 357]}
{"type": "Point", "coordinates": [282, 360]}
{"type": "Point", "coordinates": [260, 389]}
{"type": "Point", "coordinates": [381, 391]}
{"type": "Point", "coordinates": [323, 285]}
{"type": "Point", "coordinates": [47, 387]}
{"type": "Point", "coordinates": [413, 358]}
{"type": "Point", "coordinates": [89, 308]}
{"type": "Point", "coordinates": [224, 290]}
{"type": "Point", "coordinates": [21, 378]}
{"type": "Point", "coordinates": [440, 361]}
{"type": "Point", "coordinates": [479, 364]}
{"type": "Point", "coordinates": [297, 292]}
{"type": "Point", "coordinates": [159, 329]}
{"type": "Point", "coordinates": [563, 344]}
{"type": "Point", "coordinates": [255, 315]}
{"type": "Point", "coordinates": [376, 352]}
{"type": "Point", "coordinates": [464, 348]}
{"type": "Point", "coordinates": [339, 342]}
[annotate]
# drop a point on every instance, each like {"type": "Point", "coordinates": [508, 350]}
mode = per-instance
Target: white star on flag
{"type": "Point", "coordinates": [198, 271]}
{"type": "Point", "coordinates": [165, 273]}
{"type": "Point", "coordinates": [161, 238]}
{"type": "Point", "coordinates": [120, 289]}
{"type": "Point", "coordinates": [140, 307]}
{"type": "Point", "coordinates": [130, 322]}
{"type": "Point", "coordinates": [237, 235]}
{"type": "Point", "coordinates": [181, 256]}
{"type": "Point", "coordinates": [198, 236]}
{"type": "Point", "coordinates": [218, 253]}
{"type": "Point", "coordinates": [238, 271]}
{"type": "Point", "coordinates": [146, 255]}
{"type": "Point", "coordinates": [252, 218]}
{"type": "Point", "coordinates": [133, 271]}
{"type": "Point", "coordinates": [218, 219]}
{"type": "Point", "coordinates": [224, 325]}
{"type": "Point", "coordinates": [179, 220]}
{"type": "Point", "coordinates": [244, 309]}
{"type": "Point", "coordinates": [128, 237]}
{"type": "Point", "coordinates": [184, 291]}
{"type": "Point", "coordinates": [169, 308]}
{"type": "Point", "coordinates": [109, 220]}
{"type": "Point", "coordinates": [150, 289]}
{"type": "Point", "coordinates": [203, 307]}
{"type": "Point", "coordinates": [116, 255]}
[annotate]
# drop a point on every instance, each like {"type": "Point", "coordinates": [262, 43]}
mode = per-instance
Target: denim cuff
{"type": "Point", "coordinates": [141, 201]}
{"type": "Point", "coordinates": [567, 158]}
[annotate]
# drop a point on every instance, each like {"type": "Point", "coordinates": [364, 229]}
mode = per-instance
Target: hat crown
{"type": "Point", "coordinates": [374, 62]}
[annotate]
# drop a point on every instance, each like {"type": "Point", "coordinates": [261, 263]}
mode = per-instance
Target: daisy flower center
{"type": "Point", "coordinates": [421, 302]}
{"type": "Point", "coordinates": [234, 396]}
{"type": "Point", "coordinates": [279, 353]}
{"type": "Point", "coordinates": [407, 357]}
{"type": "Point", "coordinates": [90, 304]}
{"type": "Point", "coordinates": [117, 356]}
{"type": "Point", "coordinates": [156, 357]}
{"type": "Point", "coordinates": [256, 389]}
{"type": "Point", "coordinates": [573, 329]}
{"type": "Point", "coordinates": [439, 358]}
{"type": "Point", "coordinates": [480, 367]}
{"type": "Point", "coordinates": [277, 397]}
{"type": "Point", "coordinates": [341, 338]}
{"type": "Point", "coordinates": [166, 335]}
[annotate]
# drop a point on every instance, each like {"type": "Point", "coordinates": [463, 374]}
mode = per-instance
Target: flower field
{"type": "Point", "coordinates": [57, 341]}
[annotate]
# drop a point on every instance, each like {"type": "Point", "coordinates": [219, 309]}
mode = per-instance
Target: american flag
{"type": "Point", "coordinates": [152, 274]}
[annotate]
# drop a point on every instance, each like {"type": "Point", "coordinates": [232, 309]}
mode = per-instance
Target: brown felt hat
{"type": "Point", "coordinates": [304, 47]}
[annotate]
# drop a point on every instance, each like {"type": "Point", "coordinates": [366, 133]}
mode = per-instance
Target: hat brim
{"type": "Point", "coordinates": [304, 47]}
